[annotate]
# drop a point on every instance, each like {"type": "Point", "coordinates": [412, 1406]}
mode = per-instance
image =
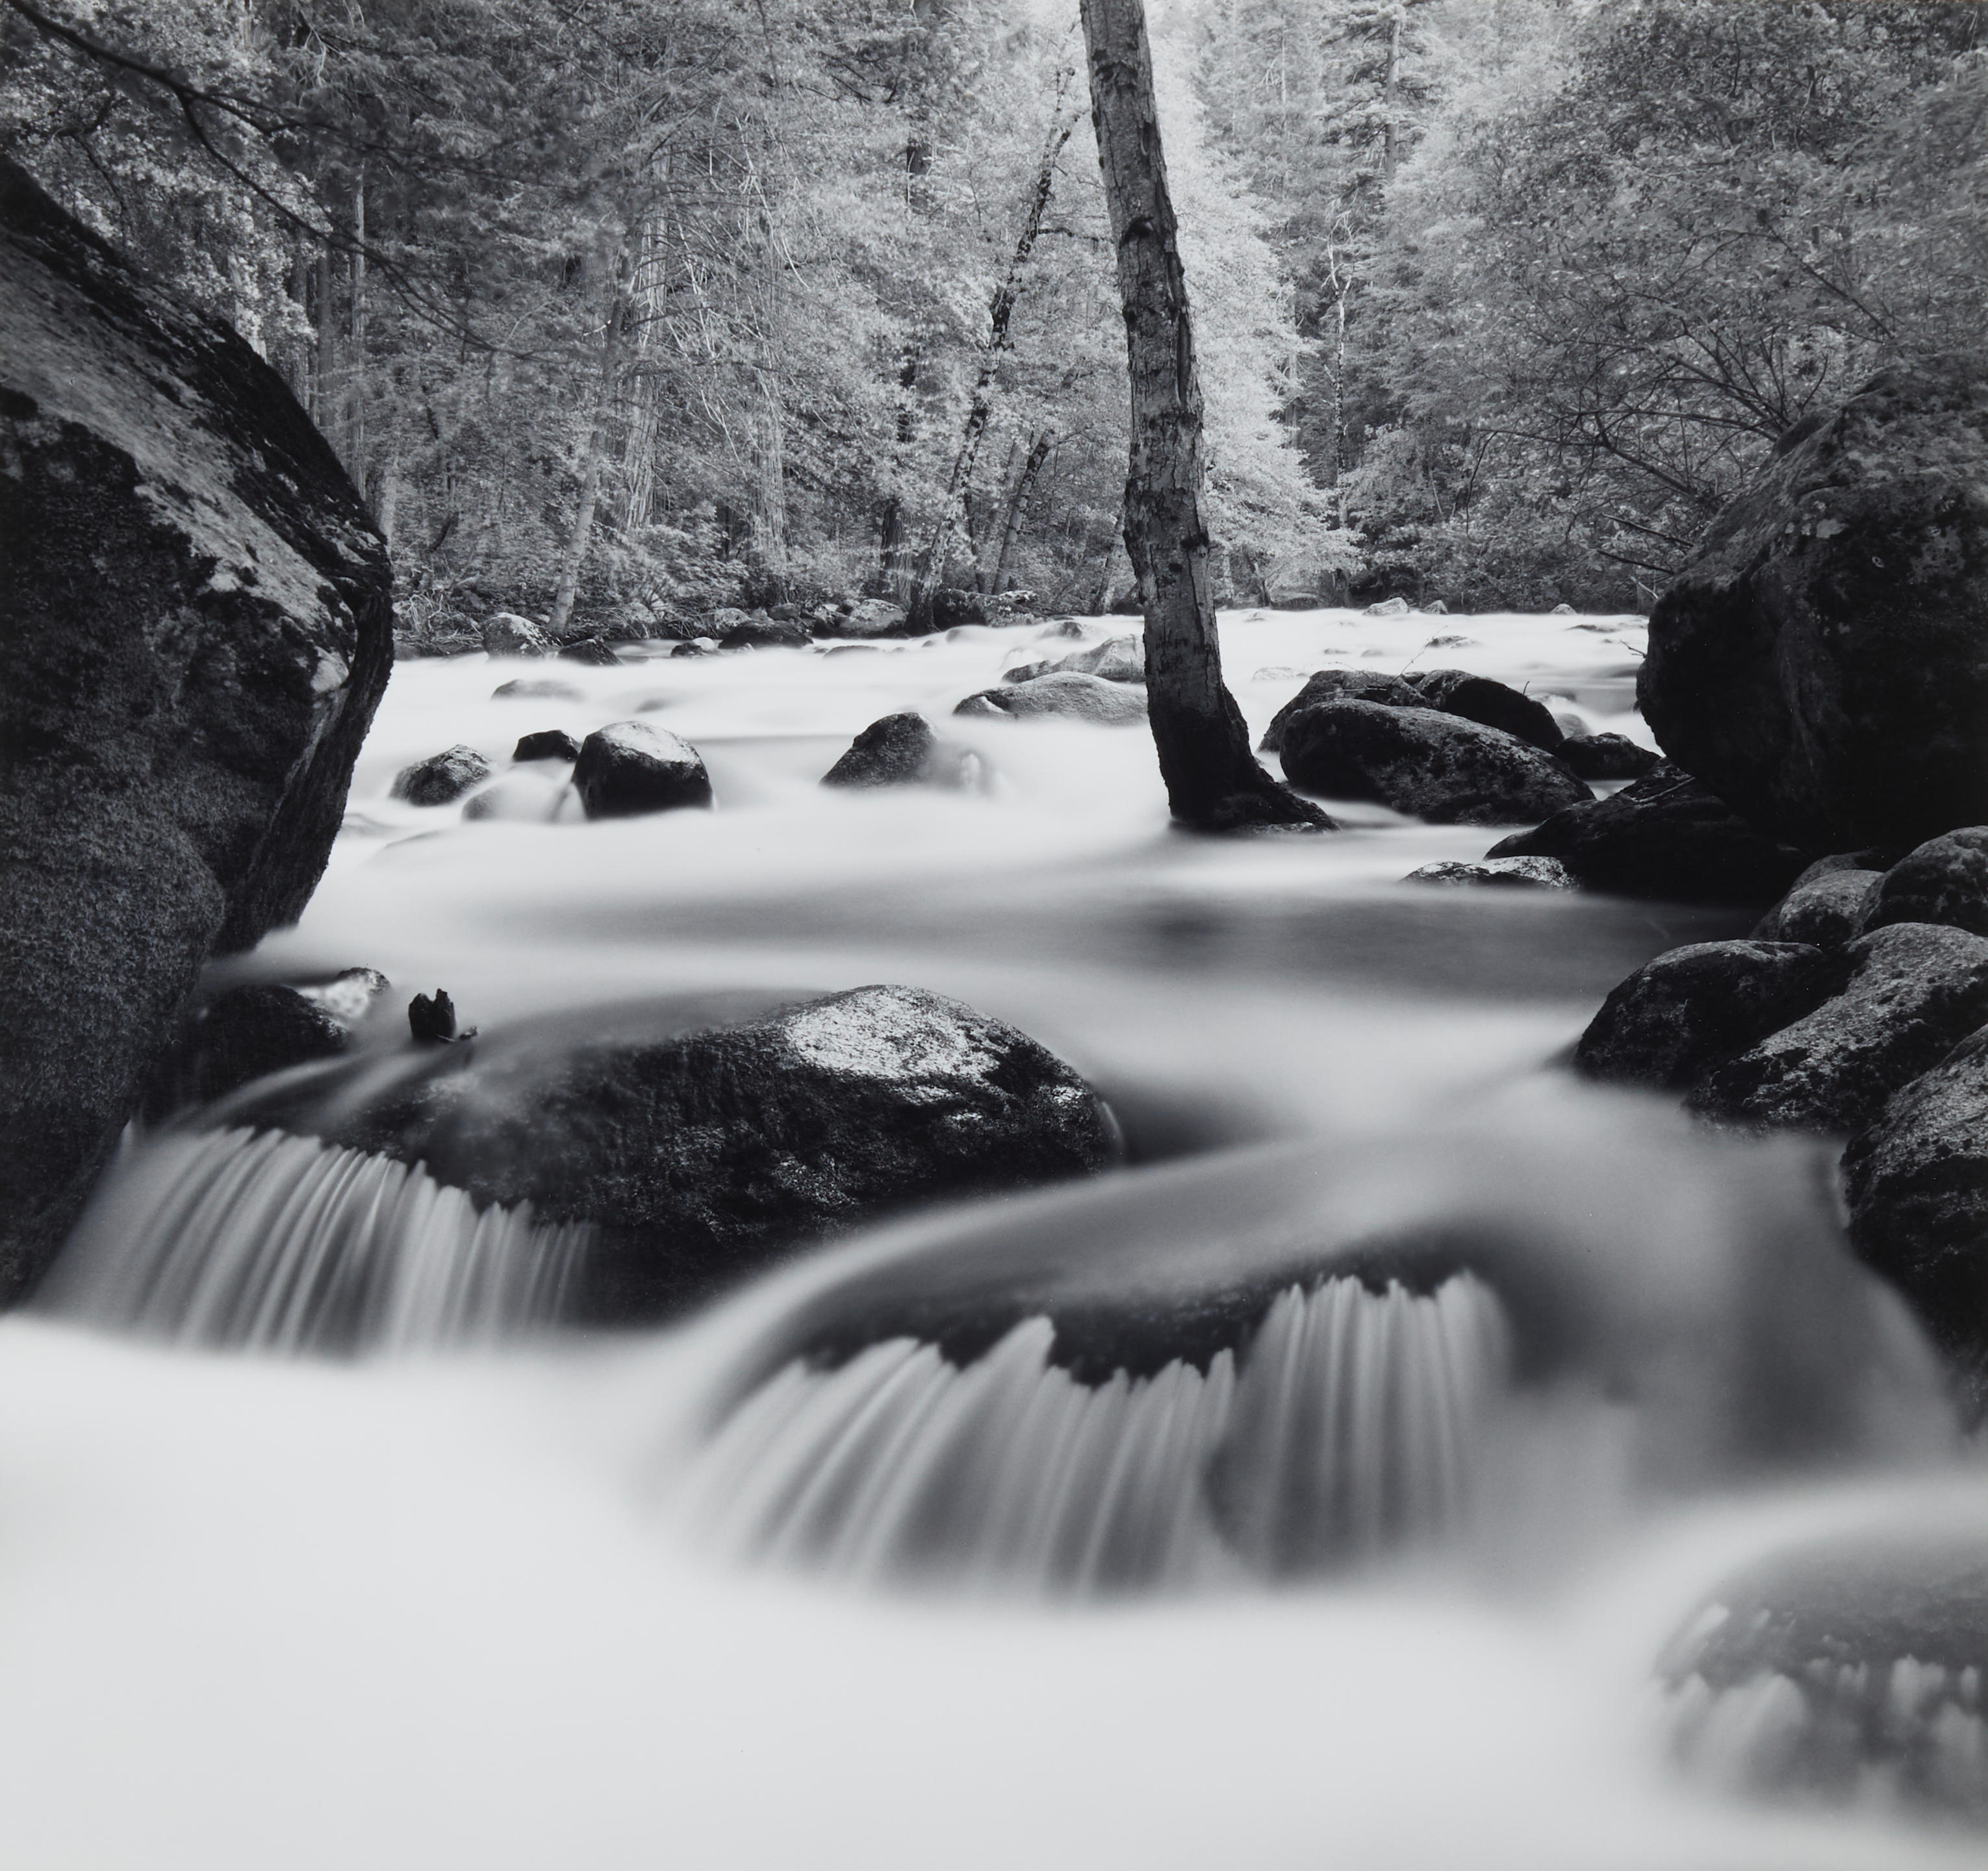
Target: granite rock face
{"type": "Point", "coordinates": [1822, 664]}
{"type": "Point", "coordinates": [195, 628]}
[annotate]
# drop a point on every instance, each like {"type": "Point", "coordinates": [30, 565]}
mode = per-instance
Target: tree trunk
{"type": "Point", "coordinates": [1213, 780]}
{"type": "Point", "coordinates": [1011, 521]}
{"type": "Point", "coordinates": [574, 558]}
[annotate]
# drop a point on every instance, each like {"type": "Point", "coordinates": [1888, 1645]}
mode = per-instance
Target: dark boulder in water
{"type": "Point", "coordinates": [761, 632]}
{"type": "Point", "coordinates": [903, 750]}
{"type": "Point", "coordinates": [265, 1026]}
{"type": "Point", "coordinates": [507, 633]}
{"type": "Point", "coordinates": [1694, 1008]}
{"type": "Point", "coordinates": [1439, 767]}
{"type": "Point", "coordinates": [1339, 685]}
{"type": "Point", "coordinates": [629, 769]}
{"type": "Point", "coordinates": [1607, 756]}
{"type": "Point", "coordinates": [1916, 1181]}
{"type": "Point", "coordinates": [442, 778]}
{"type": "Point", "coordinates": [1664, 837]}
{"type": "Point", "coordinates": [549, 744]}
{"type": "Point", "coordinates": [1490, 704]}
{"type": "Point", "coordinates": [596, 652]}
{"type": "Point", "coordinates": [952, 607]}
{"type": "Point", "coordinates": [1943, 881]}
{"type": "Point", "coordinates": [195, 628]}
{"type": "Point", "coordinates": [1065, 693]}
{"type": "Point", "coordinates": [1825, 905]}
{"type": "Point", "coordinates": [703, 1155]}
{"type": "Point", "coordinates": [1822, 663]}
{"type": "Point", "coordinates": [1913, 992]}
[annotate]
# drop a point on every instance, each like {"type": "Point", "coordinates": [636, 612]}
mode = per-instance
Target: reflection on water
{"type": "Point", "coordinates": [1427, 1395]}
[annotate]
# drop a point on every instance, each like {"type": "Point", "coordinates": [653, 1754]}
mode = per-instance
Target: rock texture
{"type": "Point", "coordinates": [1915, 991]}
{"type": "Point", "coordinates": [1438, 767]}
{"type": "Point", "coordinates": [701, 1156]}
{"type": "Point", "coordinates": [1822, 664]}
{"type": "Point", "coordinates": [507, 633]}
{"type": "Point", "coordinates": [629, 768]}
{"type": "Point", "coordinates": [547, 744]}
{"type": "Point", "coordinates": [595, 652]}
{"type": "Point", "coordinates": [1917, 1184]}
{"type": "Point", "coordinates": [266, 1026]}
{"type": "Point", "coordinates": [1067, 693]}
{"type": "Point", "coordinates": [1506, 873]}
{"type": "Point", "coordinates": [1339, 685]}
{"type": "Point", "coordinates": [195, 628]}
{"type": "Point", "coordinates": [864, 617]}
{"type": "Point", "coordinates": [1665, 837]}
{"type": "Point", "coordinates": [1117, 659]}
{"type": "Point", "coordinates": [1692, 1008]}
{"type": "Point", "coordinates": [1826, 909]}
{"type": "Point", "coordinates": [760, 632]}
{"type": "Point", "coordinates": [1490, 704]}
{"type": "Point", "coordinates": [1606, 756]}
{"type": "Point", "coordinates": [903, 750]}
{"type": "Point", "coordinates": [442, 777]}
{"type": "Point", "coordinates": [1944, 881]}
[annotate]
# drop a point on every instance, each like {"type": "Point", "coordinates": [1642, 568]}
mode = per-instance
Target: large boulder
{"type": "Point", "coordinates": [952, 607]}
{"type": "Point", "coordinates": [761, 632]}
{"type": "Point", "coordinates": [442, 778]}
{"type": "Point", "coordinates": [195, 627]}
{"type": "Point", "coordinates": [1492, 704]}
{"type": "Point", "coordinates": [595, 652]}
{"type": "Point", "coordinates": [629, 768]}
{"type": "Point", "coordinates": [1339, 685]}
{"type": "Point", "coordinates": [1916, 1181]}
{"type": "Point", "coordinates": [1822, 663]}
{"type": "Point", "coordinates": [1944, 881]}
{"type": "Point", "coordinates": [1604, 757]}
{"type": "Point", "coordinates": [1665, 837]}
{"type": "Point", "coordinates": [1692, 1008]}
{"type": "Point", "coordinates": [1064, 693]}
{"type": "Point", "coordinates": [1117, 659]}
{"type": "Point", "coordinates": [903, 750]}
{"type": "Point", "coordinates": [263, 1027]}
{"type": "Point", "coordinates": [700, 1155]}
{"type": "Point", "coordinates": [863, 617]}
{"type": "Point", "coordinates": [1437, 767]}
{"type": "Point", "coordinates": [507, 633]}
{"type": "Point", "coordinates": [1915, 991]}
{"type": "Point", "coordinates": [1825, 905]}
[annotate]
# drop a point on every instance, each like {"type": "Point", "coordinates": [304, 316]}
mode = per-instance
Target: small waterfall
{"type": "Point", "coordinates": [1347, 1427]}
{"type": "Point", "coordinates": [265, 1241]}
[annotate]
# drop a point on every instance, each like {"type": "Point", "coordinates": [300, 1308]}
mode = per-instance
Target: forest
{"type": "Point", "coordinates": [621, 312]}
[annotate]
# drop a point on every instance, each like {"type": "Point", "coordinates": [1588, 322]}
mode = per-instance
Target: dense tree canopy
{"type": "Point", "coordinates": [636, 306]}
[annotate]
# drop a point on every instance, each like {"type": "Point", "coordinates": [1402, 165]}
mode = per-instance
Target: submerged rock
{"type": "Point", "coordinates": [196, 626]}
{"type": "Point", "coordinates": [596, 652]}
{"type": "Point", "coordinates": [1943, 881]}
{"type": "Point", "coordinates": [1508, 873]}
{"type": "Point", "coordinates": [760, 632]}
{"type": "Point", "coordinates": [1439, 767]}
{"type": "Point", "coordinates": [1492, 704]}
{"type": "Point", "coordinates": [529, 795]}
{"type": "Point", "coordinates": [442, 777]}
{"type": "Point", "coordinates": [1664, 837]}
{"type": "Point", "coordinates": [1916, 1181]}
{"type": "Point", "coordinates": [903, 750]}
{"type": "Point", "coordinates": [1603, 756]}
{"type": "Point", "coordinates": [547, 744]}
{"type": "Point", "coordinates": [1823, 662]}
{"type": "Point", "coordinates": [538, 689]}
{"type": "Point", "coordinates": [1913, 992]}
{"type": "Point", "coordinates": [265, 1026]}
{"type": "Point", "coordinates": [506, 634]}
{"type": "Point", "coordinates": [702, 1155]}
{"type": "Point", "coordinates": [1338, 685]}
{"type": "Point", "coordinates": [1063, 693]}
{"type": "Point", "coordinates": [630, 768]}
{"type": "Point", "coordinates": [1692, 1008]}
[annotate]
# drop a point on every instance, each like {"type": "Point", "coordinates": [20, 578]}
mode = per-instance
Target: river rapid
{"type": "Point", "coordinates": [502, 1607]}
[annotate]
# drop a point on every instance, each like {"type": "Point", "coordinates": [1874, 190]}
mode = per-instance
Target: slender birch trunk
{"type": "Point", "coordinates": [1213, 780]}
{"type": "Point", "coordinates": [1011, 521]}
{"type": "Point", "coordinates": [574, 559]}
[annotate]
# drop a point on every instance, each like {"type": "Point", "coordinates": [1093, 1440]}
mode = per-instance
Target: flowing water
{"type": "Point", "coordinates": [1328, 1486]}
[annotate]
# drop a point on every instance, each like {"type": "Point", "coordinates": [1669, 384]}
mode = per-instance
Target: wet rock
{"type": "Point", "coordinates": [1915, 991]}
{"type": "Point", "coordinates": [266, 1026]}
{"type": "Point", "coordinates": [1824, 907]}
{"type": "Point", "coordinates": [702, 1155]}
{"type": "Point", "coordinates": [1390, 607]}
{"type": "Point", "coordinates": [630, 768]}
{"type": "Point", "coordinates": [549, 744]}
{"type": "Point", "coordinates": [507, 633]}
{"type": "Point", "coordinates": [196, 626]}
{"type": "Point", "coordinates": [530, 795]}
{"type": "Point", "coordinates": [952, 607]}
{"type": "Point", "coordinates": [1848, 1672]}
{"type": "Point", "coordinates": [1692, 1008]}
{"type": "Point", "coordinates": [1561, 610]}
{"type": "Point", "coordinates": [1028, 672]}
{"type": "Point", "coordinates": [1339, 685]}
{"type": "Point", "coordinates": [761, 632]}
{"type": "Point", "coordinates": [1437, 767]}
{"type": "Point", "coordinates": [1916, 1182]}
{"type": "Point", "coordinates": [1505, 873]}
{"type": "Point", "coordinates": [694, 646]}
{"type": "Point", "coordinates": [1065, 694]}
{"type": "Point", "coordinates": [865, 616]}
{"type": "Point", "coordinates": [1603, 756]}
{"type": "Point", "coordinates": [596, 652]}
{"type": "Point", "coordinates": [441, 778]}
{"type": "Point", "coordinates": [1492, 705]}
{"type": "Point", "coordinates": [1118, 659]}
{"type": "Point", "coordinates": [431, 1019]}
{"type": "Point", "coordinates": [1664, 837]}
{"type": "Point", "coordinates": [1820, 662]}
{"type": "Point", "coordinates": [903, 750]}
{"type": "Point", "coordinates": [538, 689]}
{"type": "Point", "coordinates": [851, 649]}
{"type": "Point", "coordinates": [1943, 881]}
{"type": "Point", "coordinates": [1063, 628]}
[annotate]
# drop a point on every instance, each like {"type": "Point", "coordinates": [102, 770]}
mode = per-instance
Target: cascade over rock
{"type": "Point", "coordinates": [195, 628]}
{"type": "Point", "coordinates": [1822, 663]}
